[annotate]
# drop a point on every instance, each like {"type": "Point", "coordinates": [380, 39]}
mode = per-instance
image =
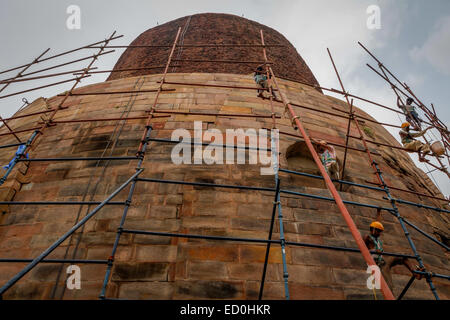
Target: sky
{"type": "Point", "coordinates": [413, 41]}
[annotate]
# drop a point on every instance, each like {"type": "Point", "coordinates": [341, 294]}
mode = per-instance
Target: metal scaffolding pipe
{"type": "Point", "coordinates": [79, 159]}
{"type": "Point", "coordinates": [51, 248]}
{"type": "Point", "coordinates": [61, 54]}
{"type": "Point", "coordinates": [13, 260]}
{"type": "Point", "coordinates": [251, 240]}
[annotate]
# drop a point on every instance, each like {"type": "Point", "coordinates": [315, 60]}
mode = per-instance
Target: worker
{"type": "Point", "coordinates": [410, 111]}
{"type": "Point", "coordinates": [412, 144]}
{"type": "Point", "coordinates": [261, 80]}
{"type": "Point", "coordinates": [373, 242]}
{"type": "Point", "coordinates": [327, 155]}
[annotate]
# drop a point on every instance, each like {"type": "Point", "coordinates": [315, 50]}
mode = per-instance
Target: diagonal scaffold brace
{"type": "Point", "coordinates": [342, 208]}
{"type": "Point", "coordinates": [58, 242]}
{"type": "Point", "coordinates": [380, 178]}
{"type": "Point", "coordinates": [337, 198]}
{"type": "Point", "coordinates": [141, 154]}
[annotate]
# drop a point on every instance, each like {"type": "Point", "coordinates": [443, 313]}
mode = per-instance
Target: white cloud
{"type": "Point", "coordinates": [436, 47]}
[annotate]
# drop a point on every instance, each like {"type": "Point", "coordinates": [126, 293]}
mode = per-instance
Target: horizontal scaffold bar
{"type": "Point", "coordinates": [113, 92]}
{"type": "Point", "coordinates": [214, 85]}
{"type": "Point", "coordinates": [20, 131]}
{"type": "Point", "coordinates": [58, 203]}
{"type": "Point", "coordinates": [191, 46]}
{"type": "Point", "coordinates": [216, 114]}
{"type": "Point", "coordinates": [13, 260]}
{"type": "Point", "coordinates": [11, 145]}
{"type": "Point", "coordinates": [419, 205]}
{"type": "Point", "coordinates": [330, 143]}
{"type": "Point", "coordinates": [79, 159]}
{"type": "Point", "coordinates": [221, 238]}
{"type": "Point", "coordinates": [206, 144]}
{"type": "Point", "coordinates": [220, 61]}
{"type": "Point", "coordinates": [432, 274]}
{"type": "Point", "coordinates": [42, 77]}
{"type": "Point", "coordinates": [46, 86]}
{"type": "Point", "coordinates": [409, 191]}
{"type": "Point", "coordinates": [332, 199]}
{"type": "Point", "coordinates": [61, 54]}
{"type": "Point", "coordinates": [213, 185]}
{"type": "Point", "coordinates": [106, 119]}
{"type": "Point", "coordinates": [367, 187]}
{"type": "Point", "coordinates": [339, 181]}
{"type": "Point", "coordinates": [203, 184]}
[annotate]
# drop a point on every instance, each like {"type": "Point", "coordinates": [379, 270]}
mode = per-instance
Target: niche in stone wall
{"type": "Point", "coordinates": [299, 158]}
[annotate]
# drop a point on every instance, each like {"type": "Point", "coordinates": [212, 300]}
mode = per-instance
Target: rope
{"type": "Point", "coordinates": [374, 292]}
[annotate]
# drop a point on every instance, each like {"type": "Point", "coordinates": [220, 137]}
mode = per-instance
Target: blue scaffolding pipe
{"type": "Point", "coordinates": [340, 181]}
{"type": "Point", "coordinates": [13, 260]}
{"type": "Point", "coordinates": [202, 184]}
{"type": "Point", "coordinates": [50, 249]}
{"type": "Point", "coordinates": [58, 203]}
{"type": "Point", "coordinates": [432, 274]}
{"type": "Point", "coordinates": [418, 205]}
{"type": "Point", "coordinates": [17, 159]}
{"type": "Point", "coordinates": [124, 215]}
{"type": "Point", "coordinates": [12, 145]}
{"type": "Point", "coordinates": [79, 159]}
{"type": "Point", "coordinates": [274, 143]}
{"type": "Point", "coordinates": [424, 233]}
{"type": "Point", "coordinates": [366, 187]}
{"type": "Point", "coordinates": [407, 234]}
{"type": "Point", "coordinates": [250, 240]}
{"type": "Point", "coordinates": [207, 144]}
{"type": "Point", "coordinates": [331, 199]}
{"type": "Point", "coordinates": [266, 258]}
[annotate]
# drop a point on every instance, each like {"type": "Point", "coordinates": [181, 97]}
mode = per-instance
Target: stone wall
{"type": "Point", "coordinates": [154, 267]}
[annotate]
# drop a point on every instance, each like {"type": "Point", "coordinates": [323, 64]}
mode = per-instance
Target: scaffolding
{"type": "Point", "coordinates": [275, 102]}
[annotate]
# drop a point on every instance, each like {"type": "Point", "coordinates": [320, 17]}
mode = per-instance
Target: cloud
{"type": "Point", "coordinates": [436, 47]}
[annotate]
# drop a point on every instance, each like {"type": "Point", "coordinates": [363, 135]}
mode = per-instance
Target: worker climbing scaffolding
{"type": "Point", "coordinates": [262, 81]}
{"type": "Point", "coordinates": [325, 159]}
{"type": "Point", "coordinates": [411, 144]}
{"type": "Point", "coordinates": [410, 112]}
{"type": "Point", "coordinates": [373, 241]}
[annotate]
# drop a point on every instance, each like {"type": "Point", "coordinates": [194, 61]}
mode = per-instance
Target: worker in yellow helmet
{"type": "Point", "coordinates": [373, 242]}
{"type": "Point", "coordinates": [411, 144]}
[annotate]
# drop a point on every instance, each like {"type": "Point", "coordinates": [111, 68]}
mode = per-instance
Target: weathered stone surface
{"type": "Point", "coordinates": [140, 271]}
{"type": "Point", "coordinates": [222, 28]}
{"type": "Point", "coordinates": [162, 267]}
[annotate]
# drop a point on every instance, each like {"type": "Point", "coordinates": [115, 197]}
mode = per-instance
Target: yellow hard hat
{"type": "Point", "coordinates": [377, 225]}
{"type": "Point", "coordinates": [405, 124]}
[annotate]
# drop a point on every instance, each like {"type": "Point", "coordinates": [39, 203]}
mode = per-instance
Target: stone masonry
{"type": "Point", "coordinates": [154, 267]}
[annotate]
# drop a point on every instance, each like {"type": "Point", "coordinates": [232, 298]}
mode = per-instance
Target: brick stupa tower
{"type": "Point", "coordinates": [161, 267]}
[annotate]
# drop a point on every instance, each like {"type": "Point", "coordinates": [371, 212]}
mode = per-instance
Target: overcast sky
{"type": "Point", "coordinates": [413, 41]}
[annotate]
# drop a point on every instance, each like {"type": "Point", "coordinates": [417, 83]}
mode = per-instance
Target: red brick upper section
{"type": "Point", "coordinates": [213, 28]}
